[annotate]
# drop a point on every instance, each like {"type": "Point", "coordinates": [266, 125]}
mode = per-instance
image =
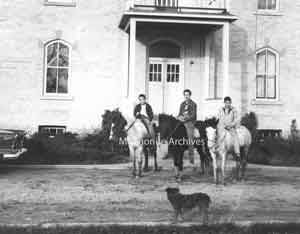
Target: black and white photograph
{"type": "Point", "coordinates": [149, 116]}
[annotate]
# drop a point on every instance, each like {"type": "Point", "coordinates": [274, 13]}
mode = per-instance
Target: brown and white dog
{"type": "Point", "coordinates": [181, 202]}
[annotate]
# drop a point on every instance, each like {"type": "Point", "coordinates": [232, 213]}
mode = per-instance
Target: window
{"type": "Point", "coordinates": [164, 49]}
{"type": "Point", "coordinates": [166, 3]}
{"type": "Point", "coordinates": [60, 2]}
{"type": "Point", "coordinates": [57, 68]}
{"type": "Point", "coordinates": [52, 131]}
{"type": "Point", "coordinates": [155, 72]}
{"type": "Point", "coordinates": [267, 4]}
{"type": "Point", "coordinates": [266, 74]}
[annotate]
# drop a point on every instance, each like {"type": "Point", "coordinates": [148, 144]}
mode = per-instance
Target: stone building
{"type": "Point", "coordinates": [63, 62]}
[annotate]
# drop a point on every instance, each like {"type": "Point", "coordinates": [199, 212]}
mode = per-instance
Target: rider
{"type": "Point", "coordinates": [188, 115]}
{"type": "Point", "coordinates": [144, 112]}
{"type": "Point", "coordinates": [228, 121]}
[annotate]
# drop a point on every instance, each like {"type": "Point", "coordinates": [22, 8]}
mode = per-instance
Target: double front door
{"type": "Point", "coordinates": [166, 84]}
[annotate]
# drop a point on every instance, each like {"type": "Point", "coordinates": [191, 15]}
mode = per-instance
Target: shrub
{"type": "Point", "coordinates": [69, 148]}
{"type": "Point", "coordinates": [276, 151]}
{"type": "Point", "coordinates": [250, 121]}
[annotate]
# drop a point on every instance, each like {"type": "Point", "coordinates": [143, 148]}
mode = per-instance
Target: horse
{"type": "Point", "coordinates": [137, 138]}
{"type": "Point", "coordinates": [174, 132]}
{"type": "Point", "coordinates": [222, 145]}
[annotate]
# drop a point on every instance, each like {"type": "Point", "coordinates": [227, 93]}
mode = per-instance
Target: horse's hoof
{"type": "Point", "coordinates": [146, 169]}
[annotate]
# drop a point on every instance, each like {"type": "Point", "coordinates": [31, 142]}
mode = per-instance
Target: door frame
{"type": "Point", "coordinates": [165, 61]}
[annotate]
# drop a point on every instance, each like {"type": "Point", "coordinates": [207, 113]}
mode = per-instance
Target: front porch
{"type": "Point", "coordinates": [174, 47]}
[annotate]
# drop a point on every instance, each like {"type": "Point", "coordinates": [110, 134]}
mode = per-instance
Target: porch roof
{"type": "Point", "coordinates": [173, 17]}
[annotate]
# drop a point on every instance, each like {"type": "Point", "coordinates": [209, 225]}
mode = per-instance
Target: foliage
{"type": "Point", "coordinates": [276, 151]}
{"type": "Point", "coordinates": [70, 148]}
{"type": "Point", "coordinates": [250, 121]}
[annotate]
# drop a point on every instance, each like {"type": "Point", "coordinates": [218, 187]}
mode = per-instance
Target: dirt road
{"type": "Point", "coordinates": [34, 196]}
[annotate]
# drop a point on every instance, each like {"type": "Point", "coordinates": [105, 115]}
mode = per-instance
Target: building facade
{"type": "Point", "coordinates": [63, 62]}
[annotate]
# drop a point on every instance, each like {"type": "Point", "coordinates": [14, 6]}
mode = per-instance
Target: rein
{"type": "Point", "coordinates": [130, 126]}
{"type": "Point", "coordinates": [177, 125]}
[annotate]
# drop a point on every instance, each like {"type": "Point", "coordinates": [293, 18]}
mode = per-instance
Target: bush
{"type": "Point", "coordinates": [250, 121]}
{"type": "Point", "coordinates": [69, 148]}
{"type": "Point", "coordinates": [276, 151]}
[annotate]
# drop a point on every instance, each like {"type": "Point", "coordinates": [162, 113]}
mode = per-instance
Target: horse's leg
{"type": "Point", "coordinates": [155, 158]}
{"type": "Point", "coordinates": [238, 168]}
{"type": "Point", "coordinates": [215, 166]}
{"type": "Point", "coordinates": [244, 155]}
{"type": "Point", "coordinates": [146, 152]}
{"type": "Point", "coordinates": [223, 168]}
{"type": "Point", "coordinates": [132, 156]}
{"type": "Point", "coordinates": [202, 159]}
{"type": "Point", "coordinates": [140, 155]}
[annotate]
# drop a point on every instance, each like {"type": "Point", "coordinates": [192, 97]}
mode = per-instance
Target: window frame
{"type": "Point", "coordinates": [56, 127]}
{"type": "Point", "coordinates": [58, 3]}
{"type": "Point", "coordinates": [57, 95]}
{"type": "Point", "coordinates": [277, 75]}
{"type": "Point", "coordinates": [269, 10]}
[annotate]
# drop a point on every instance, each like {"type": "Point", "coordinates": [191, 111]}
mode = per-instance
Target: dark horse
{"type": "Point", "coordinates": [174, 132]}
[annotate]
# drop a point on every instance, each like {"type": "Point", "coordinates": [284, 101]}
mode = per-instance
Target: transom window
{"type": "Point", "coordinates": [266, 74]}
{"type": "Point", "coordinates": [267, 4]}
{"type": "Point", "coordinates": [164, 49]}
{"type": "Point", "coordinates": [57, 74]}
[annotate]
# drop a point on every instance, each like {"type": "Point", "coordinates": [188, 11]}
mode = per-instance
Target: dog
{"type": "Point", "coordinates": [181, 202]}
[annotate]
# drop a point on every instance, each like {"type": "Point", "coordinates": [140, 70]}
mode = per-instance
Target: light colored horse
{"type": "Point", "coordinates": [222, 145]}
{"type": "Point", "coordinates": [136, 134]}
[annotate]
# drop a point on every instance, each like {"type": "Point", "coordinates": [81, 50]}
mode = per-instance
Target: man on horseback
{"type": "Point", "coordinates": [188, 115]}
{"type": "Point", "coordinates": [144, 112]}
{"type": "Point", "coordinates": [228, 121]}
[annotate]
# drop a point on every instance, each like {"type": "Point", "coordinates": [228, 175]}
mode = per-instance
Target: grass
{"type": "Point", "coordinates": [166, 229]}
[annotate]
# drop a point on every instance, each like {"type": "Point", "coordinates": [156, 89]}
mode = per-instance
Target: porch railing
{"type": "Point", "coordinates": [184, 4]}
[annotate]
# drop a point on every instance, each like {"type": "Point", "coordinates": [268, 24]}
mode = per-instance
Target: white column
{"type": "Point", "coordinates": [132, 61]}
{"type": "Point", "coordinates": [225, 45]}
{"type": "Point", "coordinates": [207, 64]}
{"type": "Point", "coordinates": [227, 4]}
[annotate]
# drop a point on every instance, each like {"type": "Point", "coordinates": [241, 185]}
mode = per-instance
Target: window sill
{"type": "Point", "coordinates": [268, 12]}
{"type": "Point", "coordinates": [266, 102]}
{"type": "Point", "coordinates": [73, 4]}
{"type": "Point", "coordinates": [213, 100]}
{"type": "Point", "coordinates": [57, 98]}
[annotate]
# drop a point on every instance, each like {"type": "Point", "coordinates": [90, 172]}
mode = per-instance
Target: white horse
{"type": "Point", "coordinates": [222, 145]}
{"type": "Point", "coordinates": [123, 119]}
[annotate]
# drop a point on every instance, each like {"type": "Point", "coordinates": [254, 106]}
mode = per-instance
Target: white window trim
{"type": "Point", "coordinates": [268, 101]}
{"type": "Point", "coordinates": [57, 96]}
{"type": "Point", "coordinates": [268, 11]}
{"type": "Point", "coordinates": [58, 3]}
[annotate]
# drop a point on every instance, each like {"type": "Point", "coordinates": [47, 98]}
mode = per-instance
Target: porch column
{"type": "Point", "coordinates": [132, 48]}
{"type": "Point", "coordinates": [225, 45]}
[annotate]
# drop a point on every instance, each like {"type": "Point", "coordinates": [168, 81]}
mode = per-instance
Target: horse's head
{"type": "Point", "coordinates": [211, 122]}
{"type": "Point", "coordinates": [167, 123]}
{"type": "Point", "coordinates": [118, 123]}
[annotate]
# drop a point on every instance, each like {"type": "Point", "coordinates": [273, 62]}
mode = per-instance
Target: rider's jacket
{"type": "Point", "coordinates": [149, 111]}
{"type": "Point", "coordinates": [228, 119]}
{"type": "Point", "coordinates": [188, 109]}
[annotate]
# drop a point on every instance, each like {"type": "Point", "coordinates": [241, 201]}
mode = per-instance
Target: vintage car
{"type": "Point", "coordinates": [11, 143]}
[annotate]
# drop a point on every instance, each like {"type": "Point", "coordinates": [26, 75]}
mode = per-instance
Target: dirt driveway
{"type": "Point", "coordinates": [34, 196]}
